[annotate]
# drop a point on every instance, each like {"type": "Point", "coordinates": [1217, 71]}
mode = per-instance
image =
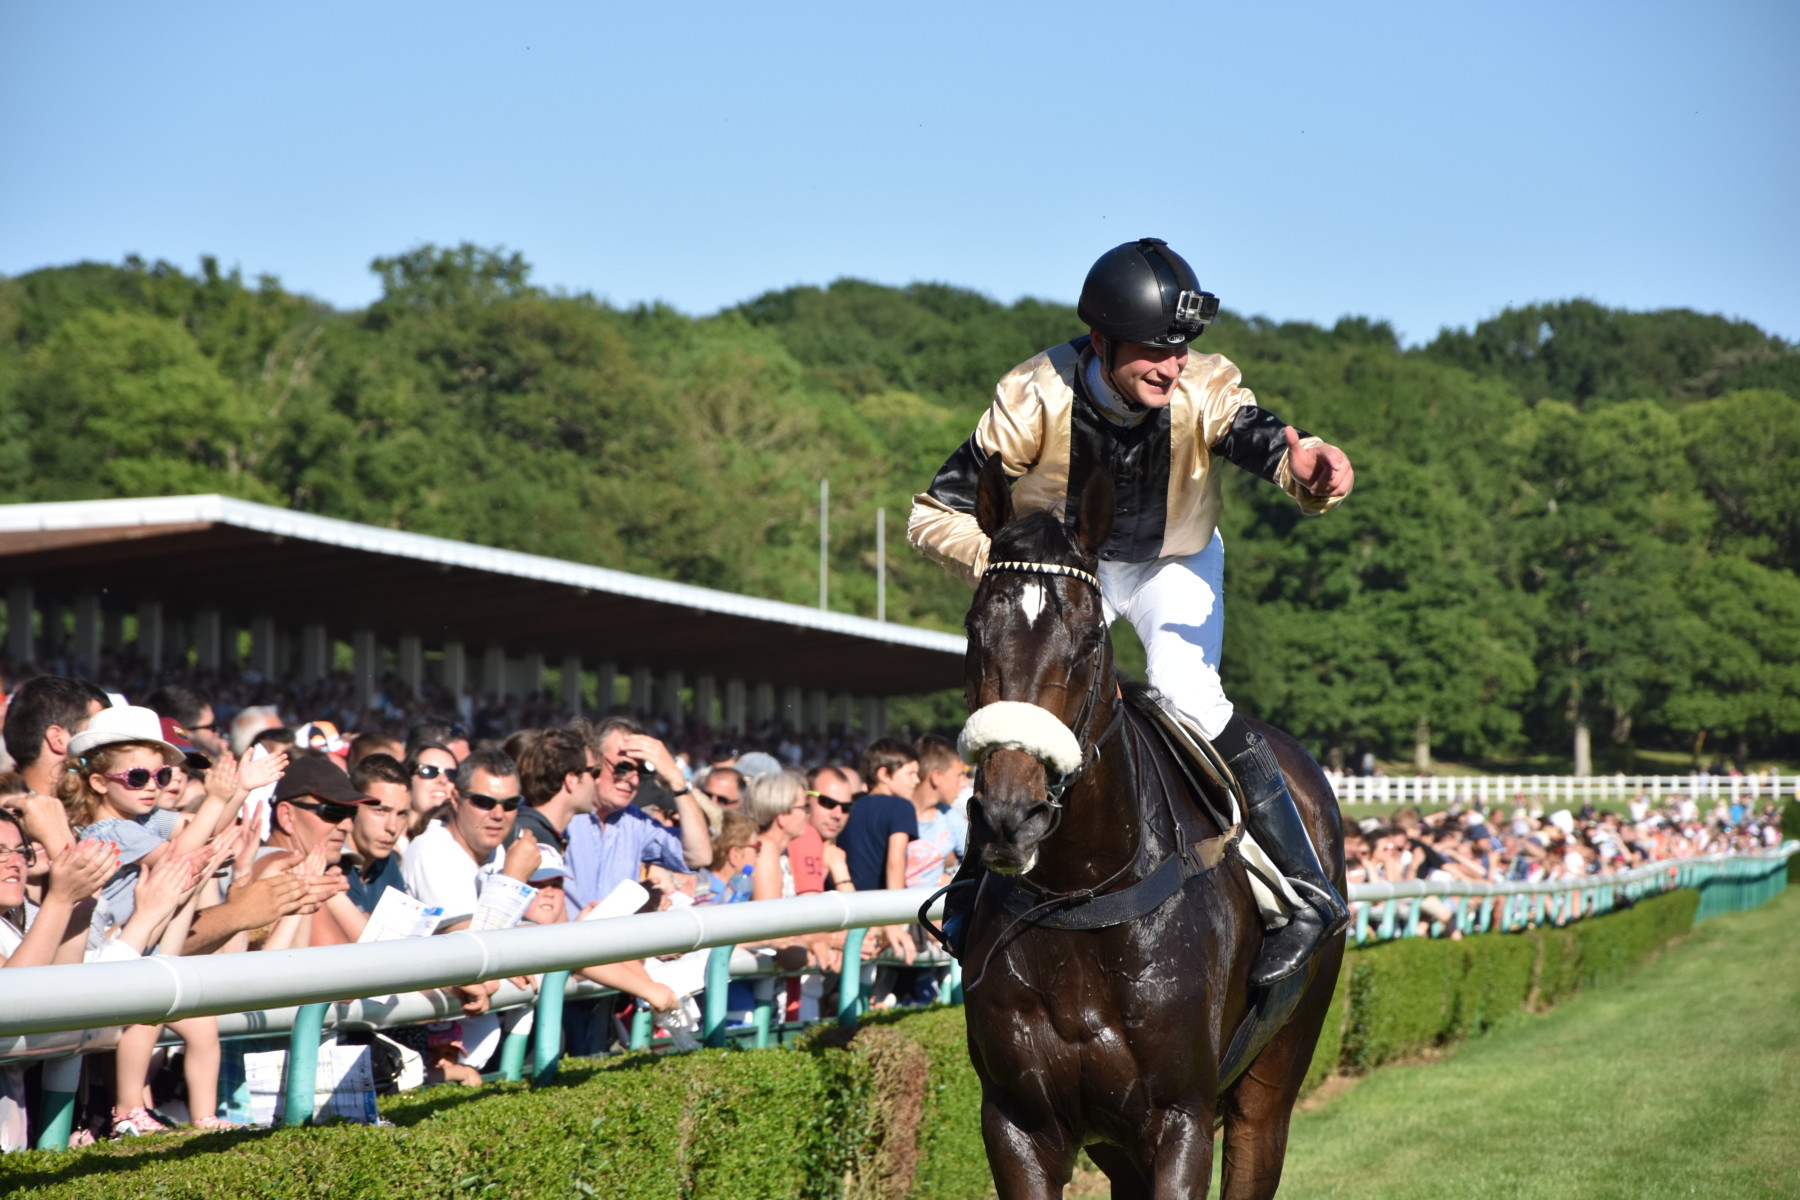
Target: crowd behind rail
{"type": "Point", "coordinates": [230, 814]}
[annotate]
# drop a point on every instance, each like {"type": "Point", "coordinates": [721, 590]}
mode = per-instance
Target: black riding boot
{"type": "Point", "coordinates": [1275, 824]}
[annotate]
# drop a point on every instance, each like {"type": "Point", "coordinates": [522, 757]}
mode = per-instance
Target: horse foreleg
{"type": "Point", "coordinates": [1181, 1147]}
{"type": "Point", "coordinates": [1027, 1164]}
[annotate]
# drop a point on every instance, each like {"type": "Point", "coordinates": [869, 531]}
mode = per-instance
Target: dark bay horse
{"type": "Point", "coordinates": [1113, 1038]}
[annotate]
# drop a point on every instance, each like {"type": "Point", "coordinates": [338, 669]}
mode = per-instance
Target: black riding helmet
{"type": "Point", "coordinates": [1144, 292]}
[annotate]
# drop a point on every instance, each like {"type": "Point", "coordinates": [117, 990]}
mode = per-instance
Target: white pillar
{"type": "Point", "coordinates": [793, 704]}
{"type": "Point", "coordinates": [762, 702]}
{"type": "Point", "coordinates": [670, 695]}
{"type": "Point", "coordinates": [706, 695]}
{"type": "Point", "coordinates": [533, 672]}
{"type": "Point", "coordinates": [640, 691]}
{"type": "Point", "coordinates": [843, 708]}
{"type": "Point", "coordinates": [818, 706]}
{"type": "Point", "coordinates": [735, 704]}
{"type": "Point", "coordinates": [315, 653]}
{"type": "Point", "coordinates": [150, 633]}
{"type": "Point", "coordinates": [263, 649]}
{"type": "Point", "coordinates": [874, 722]}
{"type": "Point", "coordinates": [209, 633]}
{"type": "Point", "coordinates": [87, 633]}
{"type": "Point", "coordinates": [454, 674]}
{"type": "Point", "coordinates": [409, 659]}
{"type": "Point", "coordinates": [606, 687]}
{"type": "Point", "coordinates": [493, 672]}
{"type": "Point", "coordinates": [571, 684]}
{"type": "Point", "coordinates": [365, 664]}
{"type": "Point", "coordinates": [21, 614]}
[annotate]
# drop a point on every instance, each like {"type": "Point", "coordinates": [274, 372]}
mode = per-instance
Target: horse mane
{"type": "Point", "coordinates": [1141, 698]}
{"type": "Point", "coordinates": [1037, 537]}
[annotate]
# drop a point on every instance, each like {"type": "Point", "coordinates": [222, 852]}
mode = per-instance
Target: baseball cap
{"type": "Point", "coordinates": [321, 735]}
{"type": "Point", "coordinates": [757, 763]}
{"type": "Point", "coordinates": [177, 737]}
{"type": "Point", "coordinates": [317, 777]}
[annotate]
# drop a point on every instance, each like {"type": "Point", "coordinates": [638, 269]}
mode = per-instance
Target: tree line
{"type": "Point", "coordinates": [1573, 526]}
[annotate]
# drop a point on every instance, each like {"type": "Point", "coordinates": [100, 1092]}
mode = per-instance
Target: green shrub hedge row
{"type": "Point", "coordinates": [887, 1114]}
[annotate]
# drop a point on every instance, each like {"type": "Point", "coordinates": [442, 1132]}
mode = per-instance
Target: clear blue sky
{"type": "Point", "coordinates": [1426, 163]}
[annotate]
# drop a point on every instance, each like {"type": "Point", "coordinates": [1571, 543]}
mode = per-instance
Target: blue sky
{"type": "Point", "coordinates": [1427, 164]}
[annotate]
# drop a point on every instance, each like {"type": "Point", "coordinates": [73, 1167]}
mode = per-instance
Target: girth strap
{"type": "Point", "coordinates": [1084, 910]}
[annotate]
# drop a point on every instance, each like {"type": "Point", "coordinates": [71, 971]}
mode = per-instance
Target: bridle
{"type": "Point", "coordinates": [1054, 792]}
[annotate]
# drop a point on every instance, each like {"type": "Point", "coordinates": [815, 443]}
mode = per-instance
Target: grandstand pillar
{"type": "Point", "coordinates": [54, 637]}
{"type": "Point", "coordinates": [706, 695]}
{"type": "Point", "coordinates": [843, 707]}
{"type": "Point", "coordinates": [454, 674]}
{"type": "Point", "coordinates": [112, 630]}
{"type": "Point", "coordinates": [209, 632]}
{"type": "Point", "coordinates": [571, 684]}
{"type": "Point", "coordinates": [793, 705]}
{"type": "Point", "coordinates": [315, 653]}
{"type": "Point", "coordinates": [640, 691]}
{"type": "Point", "coordinates": [409, 658]}
{"type": "Point", "coordinates": [762, 702]}
{"type": "Point", "coordinates": [734, 705]}
{"type": "Point", "coordinates": [532, 671]}
{"type": "Point", "coordinates": [365, 664]}
{"type": "Point", "coordinates": [87, 633]}
{"type": "Point", "coordinates": [606, 687]}
{"type": "Point", "coordinates": [493, 672]}
{"type": "Point", "coordinates": [874, 718]}
{"type": "Point", "coordinates": [818, 711]}
{"type": "Point", "coordinates": [150, 633]}
{"type": "Point", "coordinates": [21, 613]}
{"type": "Point", "coordinates": [264, 657]}
{"type": "Point", "coordinates": [670, 695]}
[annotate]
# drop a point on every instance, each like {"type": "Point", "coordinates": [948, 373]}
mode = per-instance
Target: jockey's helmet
{"type": "Point", "coordinates": [1144, 292]}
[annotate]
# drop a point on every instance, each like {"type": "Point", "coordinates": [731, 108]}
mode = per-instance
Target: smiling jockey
{"type": "Point", "coordinates": [1129, 397]}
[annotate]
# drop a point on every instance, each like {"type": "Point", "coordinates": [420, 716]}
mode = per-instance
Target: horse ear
{"type": "Point", "coordinates": [993, 497]}
{"type": "Point", "coordinates": [1094, 524]}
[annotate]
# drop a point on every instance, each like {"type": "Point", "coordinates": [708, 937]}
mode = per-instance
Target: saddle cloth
{"type": "Point", "coordinates": [1275, 896]}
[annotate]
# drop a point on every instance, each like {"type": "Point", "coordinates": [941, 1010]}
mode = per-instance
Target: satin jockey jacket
{"type": "Point", "coordinates": [1050, 433]}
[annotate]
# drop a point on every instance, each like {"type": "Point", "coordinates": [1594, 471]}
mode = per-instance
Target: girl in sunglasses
{"type": "Point", "coordinates": [117, 767]}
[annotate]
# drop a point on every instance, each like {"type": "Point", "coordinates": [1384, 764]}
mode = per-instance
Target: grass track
{"type": "Point", "coordinates": [1682, 1079]}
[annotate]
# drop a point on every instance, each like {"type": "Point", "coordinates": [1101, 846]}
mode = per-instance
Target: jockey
{"type": "Point", "coordinates": [1131, 398]}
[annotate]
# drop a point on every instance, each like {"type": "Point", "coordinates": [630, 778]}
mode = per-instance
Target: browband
{"type": "Point", "coordinates": [1038, 568]}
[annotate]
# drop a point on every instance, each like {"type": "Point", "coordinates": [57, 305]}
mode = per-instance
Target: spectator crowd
{"type": "Point", "coordinates": [187, 822]}
{"type": "Point", "coordinates": [184, 824]}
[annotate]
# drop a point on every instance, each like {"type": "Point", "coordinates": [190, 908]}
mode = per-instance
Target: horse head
{"type": "Point", "coordinates": [1039, 665]}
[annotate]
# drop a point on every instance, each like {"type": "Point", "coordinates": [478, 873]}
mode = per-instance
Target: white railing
{"type": "Point", "coordinates": [1558, 791]}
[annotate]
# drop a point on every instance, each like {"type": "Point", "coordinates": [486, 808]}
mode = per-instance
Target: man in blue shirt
{"type": "Point", "coordinates": [881, 825]}
{"type": "Point", "coordinates": [610, 845]}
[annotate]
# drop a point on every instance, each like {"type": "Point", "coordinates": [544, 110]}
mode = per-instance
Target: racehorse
{"type": "Point", "coordinates": [1115, 926]}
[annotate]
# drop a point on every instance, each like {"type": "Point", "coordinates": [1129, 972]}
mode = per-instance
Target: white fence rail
{"type": "Point", "coordinates": [1558, 791]}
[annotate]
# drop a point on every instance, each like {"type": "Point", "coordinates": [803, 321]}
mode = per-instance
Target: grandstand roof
{"type": "Point", "coordinates": [247, 559]}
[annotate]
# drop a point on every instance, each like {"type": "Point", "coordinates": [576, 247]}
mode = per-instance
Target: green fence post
{"type": "Point", "coordinates": [718, 983]}
{"type": "Point", "coordinates": [303, 1063]}
{"type": "Point", "coordinates": [56, 1116]}
{"type": "Point", "coordinates": [512, 1050]}
{"type": "Point", "coordinates": [764, 990]}
{"type": "Point", "coordinates": [643, 1025]}
{"type": "Point", "coordinates": [546, 1028]}
{"type": "Point", "coordinates": [850, 978]}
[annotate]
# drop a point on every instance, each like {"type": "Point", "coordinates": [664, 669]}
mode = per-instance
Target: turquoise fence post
{"type": "Point", "coordinates": [512, 1050]}
{"type": "Point", "coordinates": [303, 1063]}
{"type": "Point", "coordinates": [56, 1117]}
{"type": "Point", "coordinates": [546, 1028]}
{"type": "Point", "coordinates": [850, 978]}
{"type": "Point", "coordinates": [642, 1026]}
{"type": "Point", "coordinates": [718, 984]}
{"type": "Point", "coordinates": [764, 991]}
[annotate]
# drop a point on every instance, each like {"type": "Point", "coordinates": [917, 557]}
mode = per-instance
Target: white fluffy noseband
{"type": "Point", "coordinates": [1015, 725]}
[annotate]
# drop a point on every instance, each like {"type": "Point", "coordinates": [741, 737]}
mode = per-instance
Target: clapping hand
{"type": "Point", "coordinates": [254, 773]}
{"type": "Point", "coordinates": [81, 870]}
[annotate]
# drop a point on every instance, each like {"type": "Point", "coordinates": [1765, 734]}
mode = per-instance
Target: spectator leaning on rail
{"type": "Point", "coordinates": [881, 826]}
{"type": "Point", "coordinates": [1129, 399]}
{"type": "Point", "coordinates": [371, 865]}
{"type": "Point", "coordinates": [559, 774]}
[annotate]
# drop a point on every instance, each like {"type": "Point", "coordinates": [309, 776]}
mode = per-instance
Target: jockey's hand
{"type": "Point", "coordinates": [1322, 470]}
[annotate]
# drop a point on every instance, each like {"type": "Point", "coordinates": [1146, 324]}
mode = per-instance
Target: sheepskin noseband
{"type": "Point", "coordinates": [1016, 725]}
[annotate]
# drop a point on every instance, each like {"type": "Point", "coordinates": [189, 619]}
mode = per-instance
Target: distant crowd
{"type": "Point", "coordinates": [173, 824]}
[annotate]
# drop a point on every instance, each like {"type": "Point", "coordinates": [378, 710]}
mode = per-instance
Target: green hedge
{"type": "Point", "coordinates": [890, 1114]}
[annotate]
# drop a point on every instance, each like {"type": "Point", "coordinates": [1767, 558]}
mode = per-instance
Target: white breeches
{"type": "Point", "coordinates": [1177, 606]}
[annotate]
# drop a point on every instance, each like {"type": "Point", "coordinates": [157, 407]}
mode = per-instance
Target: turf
{"type": "Point", "coordinates": [1682, 1079]}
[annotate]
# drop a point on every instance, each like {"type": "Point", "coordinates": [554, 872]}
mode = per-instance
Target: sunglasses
{"type": "Point", "coordinates": [625, 768]}
{"type": "Point", "coordinates": [827, 803]}
{"type": "Point", "coordinates": [140, 777]}
{"type": "Point", "coordinates": [427, 771]}
{"type": "Point", "coordinates": [488, 803]}
{"type": "Point", "coordinates": [330, 811]}
{"type": "Point", "coordinates": [24, 853]}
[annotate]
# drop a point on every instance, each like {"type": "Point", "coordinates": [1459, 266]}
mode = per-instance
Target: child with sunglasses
{"type": "Point", "coordinates": [117, 766]}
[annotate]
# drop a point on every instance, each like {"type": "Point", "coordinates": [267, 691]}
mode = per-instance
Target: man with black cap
{"type": "Point", "coordinates": [1130, 400]}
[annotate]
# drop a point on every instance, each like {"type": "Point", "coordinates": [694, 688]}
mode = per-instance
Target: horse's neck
{"type": "Point", "coordinates": [1104, 817]}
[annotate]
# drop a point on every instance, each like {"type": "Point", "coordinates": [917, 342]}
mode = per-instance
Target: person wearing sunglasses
{"type": "Point", "coordinates": [447, 865]}
{"type": "Point", "coordinates": [431, 771]}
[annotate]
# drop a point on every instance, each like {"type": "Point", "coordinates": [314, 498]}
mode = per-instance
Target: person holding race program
{"type": "Point", "coordinates": [1131, 399]}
